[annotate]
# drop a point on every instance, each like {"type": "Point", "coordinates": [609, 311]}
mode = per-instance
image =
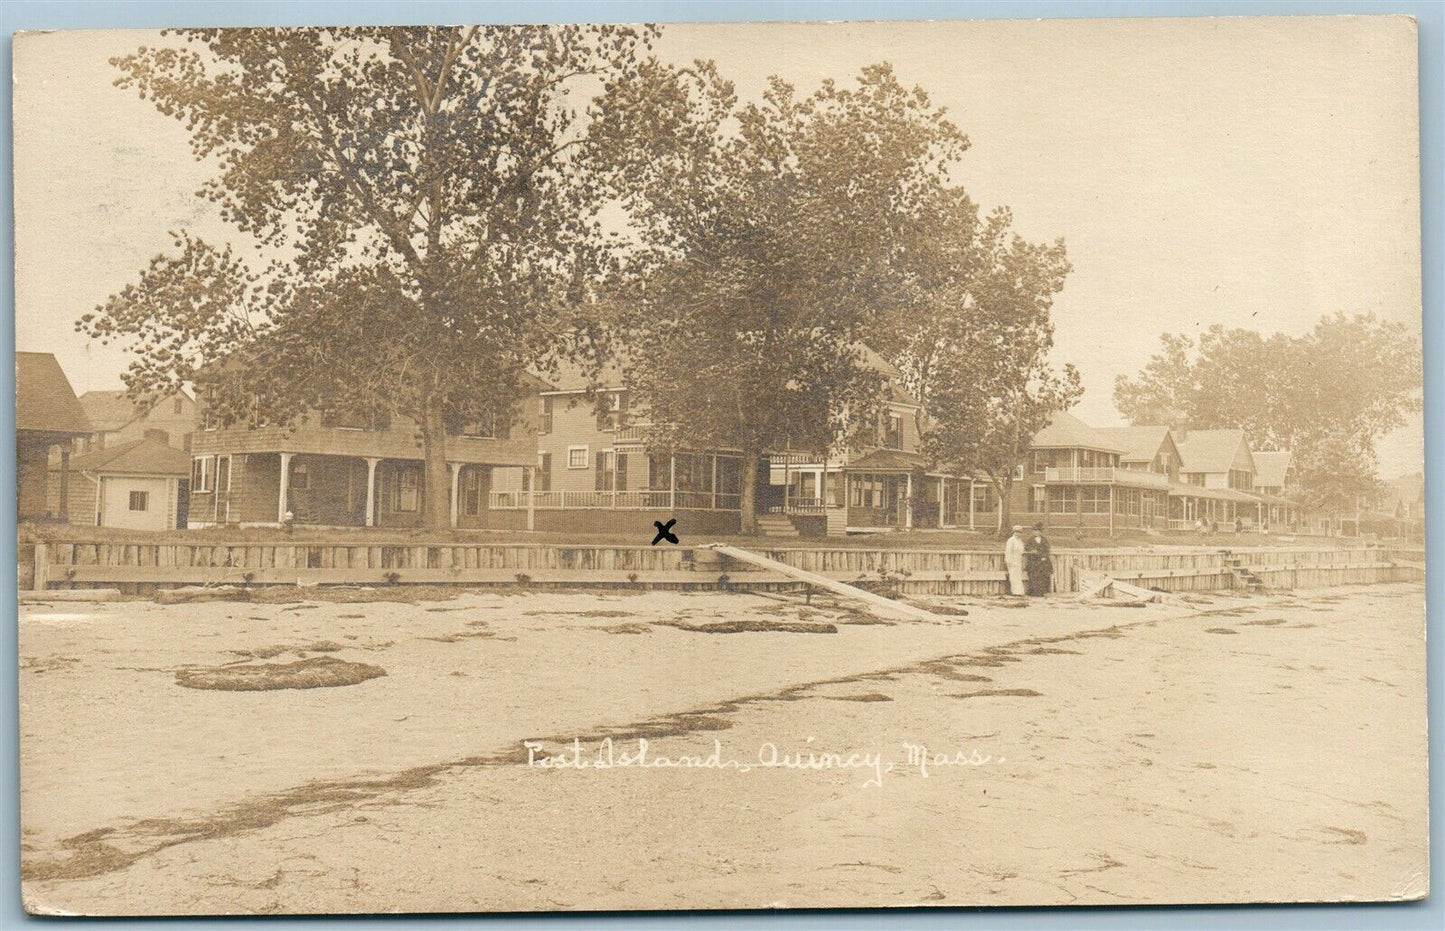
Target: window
{"type": "Point", "coordinates": [1062, 499]}
{"type": "Point", "coordinates": [300, 476]}
{"type": "Point", "coordinates": [223, 473]}
{"type": "Point", "coordinates": [1094, 499]}
{"type": "Point", "coordinates": [407, 496]}
{"type": "Point", "coordinates": [545, 426]}
{"type": "Point", "coordinates": [139, 500]}
{"type": "Point", "coordinates": [659, 472]}
{"type": "Point", "coordinates": [891, 429]}
{"type": "Point", "coordinates": [471, 481]}
{"type": "Point", "coordinates": [611, 471]}
{"type": "Point", "coordinates": [544, 471]}
{"type": "Point", "coordinates": [179, 407]}
{"type": "Point", "coordinates": [576, 457]}
{"type": "Point", "coordinates": [867, 491]}
{"type": "Point", "coordinates": [1041, 460]}
{"type": "Point", "coordinates": [1165, 463]}
{"type": "Point", "coordinates": [201, 473]}
{"type": "Point", "coordinates": [1039, 499]}
{"type": "Point", "coordinates": [491, 426]}
{"type": "Point", "coordinates": [611, 411]}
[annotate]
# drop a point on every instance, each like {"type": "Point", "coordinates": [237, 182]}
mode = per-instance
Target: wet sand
{"type": "Point", "coordinates": [1223, 748]}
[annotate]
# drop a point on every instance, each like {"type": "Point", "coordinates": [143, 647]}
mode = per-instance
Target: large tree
{"type": "Point", "coordinates": [768, 239]}
{"type": "Point", "coordinates": [1326, 396]}
{"type": "Point", "coordinates": [412, 215]}
{"type": "Point", "coordinates": [972, 338]}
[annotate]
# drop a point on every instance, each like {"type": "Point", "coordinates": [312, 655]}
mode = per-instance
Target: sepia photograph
{"type": "Point", "coordinates": [695, 466]}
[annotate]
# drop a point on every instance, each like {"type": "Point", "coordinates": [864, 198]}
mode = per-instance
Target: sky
{"type": "Point", "coordinates": [1249, 172]}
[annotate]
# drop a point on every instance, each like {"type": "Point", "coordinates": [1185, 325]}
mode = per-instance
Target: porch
{"type": "Point", "coordinates": [325, 490]}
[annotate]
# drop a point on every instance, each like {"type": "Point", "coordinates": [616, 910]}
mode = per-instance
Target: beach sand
{"type": "Point", "coordinates": [1218, 748]}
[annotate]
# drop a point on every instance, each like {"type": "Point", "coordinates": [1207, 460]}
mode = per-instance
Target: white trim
{"type": "Point", "coordinates": [208, 464]}
{"type": "Point", "coordinates": [586, 457]}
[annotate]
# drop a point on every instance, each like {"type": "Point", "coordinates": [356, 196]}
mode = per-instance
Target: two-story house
{"type": "Point", "coordinates": [595, 472]}
{"type": "Point", "coordinates": [1274, 478]}
{"type": "Point", "coordinates": [1217, 472]}
{"type": "Point", "coordinates": [1080, 476]}
{"type": "Point", "coordinates": [879, 482]}
{"type": "Point", "coordinates": [346, 471]}
{"type": "Point", "coordinates": [116, 418]}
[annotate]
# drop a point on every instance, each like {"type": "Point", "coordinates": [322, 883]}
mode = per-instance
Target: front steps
{"type": "Point", "coordinates": [777, 525]}
{"type": "Point", "coordinates": [1243, 577]}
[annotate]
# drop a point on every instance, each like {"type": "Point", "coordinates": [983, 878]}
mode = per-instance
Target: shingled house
{"type": "Point", "coordinates": [47, 417]}
{"type": "Point", "coordinates": [1078, 476]}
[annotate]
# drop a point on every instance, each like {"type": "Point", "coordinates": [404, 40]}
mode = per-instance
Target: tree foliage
{"type": "Point", "coordinates": [413, 213]}
{"type": "Point", "coordinates": [770, 237]}
{"type": "Point", "coordinates": [1326, 396]}
{"type": "Point", "coordinates": [972, 339]}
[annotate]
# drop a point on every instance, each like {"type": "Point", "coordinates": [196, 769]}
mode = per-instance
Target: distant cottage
{"type": "Point", "coordinates": [48, 417]}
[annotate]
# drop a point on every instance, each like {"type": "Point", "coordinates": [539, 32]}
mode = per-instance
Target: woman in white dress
{"type": "Point", "coordinates": [1013, 557]}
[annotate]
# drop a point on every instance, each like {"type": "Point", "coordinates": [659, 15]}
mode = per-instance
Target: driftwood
{"type": "Point", "coordinates": [880, 605]}
{"type": "Point", "coordinates": [72, 594]}
{"type": "Point", "coordinates": [1092, 585]}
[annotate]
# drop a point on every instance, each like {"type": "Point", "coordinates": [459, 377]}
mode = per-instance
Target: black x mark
{"type": "Point", "coordinates": [664, 532]}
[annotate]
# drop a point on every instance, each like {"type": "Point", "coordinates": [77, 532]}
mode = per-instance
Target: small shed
{"type": "Point", "coordinates": [140, 485]}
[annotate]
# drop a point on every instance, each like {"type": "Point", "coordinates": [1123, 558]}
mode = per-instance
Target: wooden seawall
{"type": "Point", "coordinates": [141, 565]}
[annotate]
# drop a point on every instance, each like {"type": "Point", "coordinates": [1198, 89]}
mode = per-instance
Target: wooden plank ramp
{"type": "Point", "coordinates": [885, 607]}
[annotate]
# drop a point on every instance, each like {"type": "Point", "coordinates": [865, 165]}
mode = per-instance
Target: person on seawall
{"type": "Point", "coordinates": [1013, 557]}
{"type": "Point", "coordinates": [1040, 567]}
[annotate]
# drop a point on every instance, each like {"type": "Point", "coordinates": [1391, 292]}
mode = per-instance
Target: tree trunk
{"type": "Point", "coordinates": [1005, 489]}
{"type": "Point", "coordinates": [748, 500]}
{"type": "Point", "coordinates": [436, 511]}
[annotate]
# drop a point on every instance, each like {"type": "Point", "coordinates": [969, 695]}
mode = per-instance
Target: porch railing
{"type": "Point", "coordinates": [1106, 474]}
{"type": "Point", "coordinates": [643, 500]}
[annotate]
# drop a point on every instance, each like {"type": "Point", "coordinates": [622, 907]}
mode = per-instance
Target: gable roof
{"type": "Point", "coordinates": [888, 460]}
{"type": "Point", "coordinates": [1270, 468]}
{"type": "Point", "coordinates": [1140, 444]}
{"type": "Point", "coordinates": [109, 410]}
{"type": "Point", "coordinates": [44, 400]}
{"type": "Point", "coordinates": [1069, 432]}
{"type": "Point", "coordinates": [1209, 450]}
{"type": "Point", "coordinates": [138, 457]}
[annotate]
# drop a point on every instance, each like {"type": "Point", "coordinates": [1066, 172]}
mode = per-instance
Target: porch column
{"type": "Point", "coordinates": [714, 481]}
{"type": "Point", "coordinates": [65, 482]}
{"type": "Point", "coordinates": [672, 482]}
{"type": "Point", "coordinates": [908, 502]}
{"type": "Point", "coordinates": [970, 505]}
{"type": "Point", "coordinates": [531, 497]}
{"type": "Point", "coordinates": [285, 488]}
{"type": "Point", "coordinates": [456, 474]}
{"type": "Point", "coordinates": [1111, 510]}
{"type": "Point", "coordinates": [371, 491]}
{"type": "Point", "coordinates": [942, 502]}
